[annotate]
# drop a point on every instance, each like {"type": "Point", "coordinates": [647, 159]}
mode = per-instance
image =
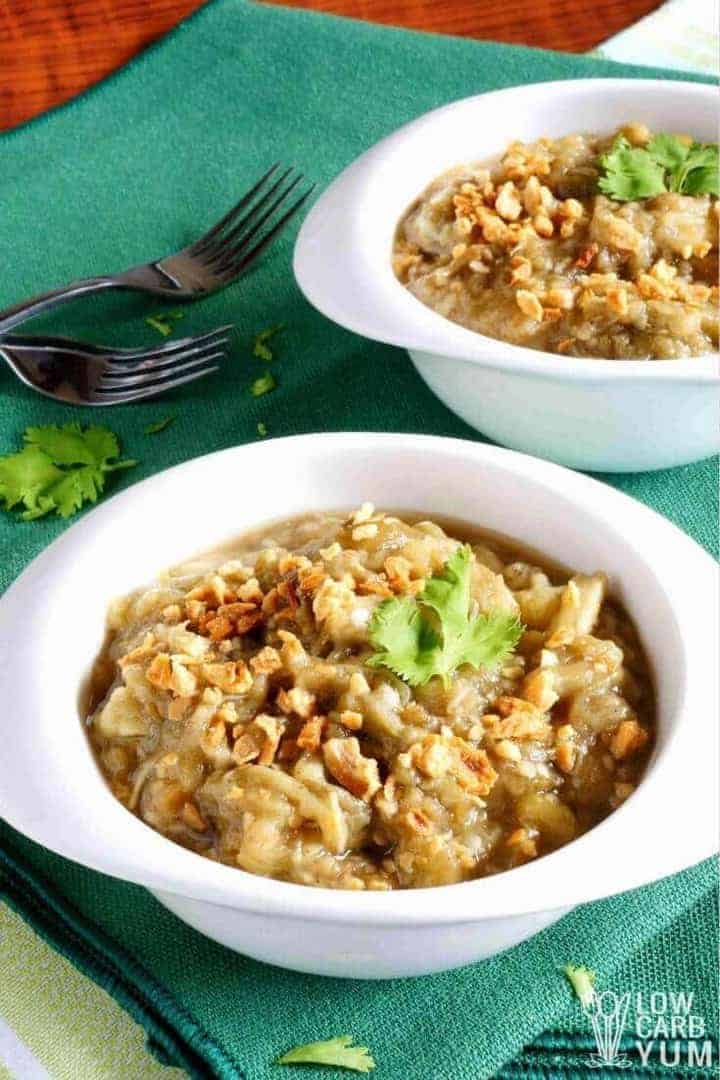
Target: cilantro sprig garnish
{"type": "Point", "coordinates": [338, 1052]}
{"type": "Point", "coordinates": [435, 633]}
{"type": "Point", "coordinates": [667, 163]}
{"type": "Point", "coordinates": [59, 469]}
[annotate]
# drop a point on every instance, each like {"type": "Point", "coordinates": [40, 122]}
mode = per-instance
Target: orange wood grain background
{"type": "Point", "coordinates": [50, 50]}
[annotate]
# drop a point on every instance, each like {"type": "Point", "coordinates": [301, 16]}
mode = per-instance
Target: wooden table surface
{"type": "Point", "coordinates": [53, 49]}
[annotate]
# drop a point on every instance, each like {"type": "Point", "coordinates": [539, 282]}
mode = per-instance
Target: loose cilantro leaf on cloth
{"type": "Point", "coordinates": [667, 163]}
{"type": "Point", "coordinates": [162, 321]}
{"type": "Point", "coordinates": [159, 425]}
{"type": "Point", "coordinates": [59, 469]}
{"type": "Point", "coordinates": [582, 980]}
{"type": "Point", "coordinates": [260, 342]}
{"type": "Point", "coordinates": [263, 385]}
{"type": "Point", "coordinates": [262, 429]}
{"type": "Point", "coordinates": [338, 1052]}
{"type": "Point", "coordinates": [24, 476]}
{"type": "Point", "coordinates": [417, 644]}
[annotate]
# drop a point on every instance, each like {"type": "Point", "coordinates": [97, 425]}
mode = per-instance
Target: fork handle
{"type": "Point", "coordinates": [36, 305]}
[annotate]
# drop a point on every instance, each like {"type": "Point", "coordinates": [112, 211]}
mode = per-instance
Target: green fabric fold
{"type": "Point", "coordinates": [135, 169]}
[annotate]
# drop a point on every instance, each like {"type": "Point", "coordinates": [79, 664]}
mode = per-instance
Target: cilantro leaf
{"type": "Point", "coordinates": [582, 980]}
{"type": "Point", "coordinates": [448, 593]}
{"type": "Point", "coordinates": [262, 429]}
{"type": "Point", "coordinates": [67, 445]}
{"type": "Point", "coordinates": [701, 175]}
{"type": "Point", "coordinates": [668, 151]}
{"type": "Point", "coordinates": [409, 645]}
{"type": "Point", "coordinates": [260, 346]}
{"type": "Point", "coordinates": [702, 181]}
{"type": "Point", "coordinates": [70, 445]}
{"type": "Point", "coordinates": [667, 163]}
{"type": "Point", "coordinates": [417, 646]}
{"type": "Point", "coordinates": [630, 173]}
{"type": "Point", "coordinates": [162, 321]}
{"type": "Point", "coordinates": [59, 469]}
{"type": "Point", "coordinates": [67, 495]}
{"type": "Point", "coordinates": [263, 385]}
{"type": "Point", "coordinates": [25, 475]}
{"type": "Point", "coordinates": [692, 168]}
{"type": "Point", "coordinates": [338, 1052]}
{"type": "Point", "coordinates": [159, 425]}
{"type": "Point", "coordinates": [489, 639]}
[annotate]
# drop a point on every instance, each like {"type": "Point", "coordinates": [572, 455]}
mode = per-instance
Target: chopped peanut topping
{"type": "Point", "coordinates": [351, 719]}
{"type": "Point", "coordinates": [538, 689]}
{"type": "Point", "coordinates": [159, 672]}
{"type": "Point", "coordinates": [365, 512]}
{"type": "Point", "coordinates": [266, 661]}
{"type": "Point", "coordinates": [231, 678]}
{"type": "Point", "coordinates": [364, 532]}
{"type": "Point", "coordinates": [522, 270]}
{"type": "Point", "coordinates": [246, 748]}
{"type": "Point", "coordinates": [298, 701]}
{"type": "Point", "coordinates": [182, 682]}
{"type": "Point", "coordinates": [311, 580]}
{"type": "Point", "coordinates": [259, 741]}
{"type": "Point", "coordinates": [347, 765]}
{"type": "Point", "coordinates": [508, 750]}
{"type": "Point", "coordinates": [543, 225]}
{"type": "Point", "coordinates": [433, 756]}
{"type": "Point", "coordinates": [229, 620]}
{"type": "Point", "coordinates": [522, 721]}
{"type": "Point", "coordinates": [310, 733]}
{"type": "Point", "coordinates": [565, 754]}
{"type": "Point", "coordinates": [373, 587]}
{"type": "Point", "coordinates": [439, 755]}
{"type": "Point", "coordinates": [507, 203]}
{"type": "Point", "coordinates": [628, 739]}
{"type": "Point", "coordinates": [251, 592]}
{"type": "Point", "coordinates": [529, 304]}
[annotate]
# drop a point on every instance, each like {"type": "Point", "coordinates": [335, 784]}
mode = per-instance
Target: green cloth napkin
{"type": "Point", "coordinates": [134, 169]}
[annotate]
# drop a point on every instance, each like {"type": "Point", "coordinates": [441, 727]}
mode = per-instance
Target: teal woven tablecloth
{"type": "Point", "coordinates": [133, 169]}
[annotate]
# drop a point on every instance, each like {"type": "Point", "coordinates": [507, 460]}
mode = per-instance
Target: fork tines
{"type": "Point", "coordinates": [125, 378]}
{"type": "Point", "coordinates": [238, 238]}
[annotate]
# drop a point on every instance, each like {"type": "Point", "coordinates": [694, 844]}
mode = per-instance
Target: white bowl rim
{"type": "Point", "coordinates": [564, 878]}
{"type": "Point", "coordinates": [403, 309]}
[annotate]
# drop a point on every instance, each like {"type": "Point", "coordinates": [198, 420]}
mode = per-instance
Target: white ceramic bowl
{"type": "Point", "coordinates": [51, 626]}
{"type": "Point", "coordinates": [589, 414]}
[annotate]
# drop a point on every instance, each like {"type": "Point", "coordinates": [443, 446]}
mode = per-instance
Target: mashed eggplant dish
{"type": "Point", "coordinates": [586, 245]}
{"type": "Point", "coordinates": [365, 702]}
